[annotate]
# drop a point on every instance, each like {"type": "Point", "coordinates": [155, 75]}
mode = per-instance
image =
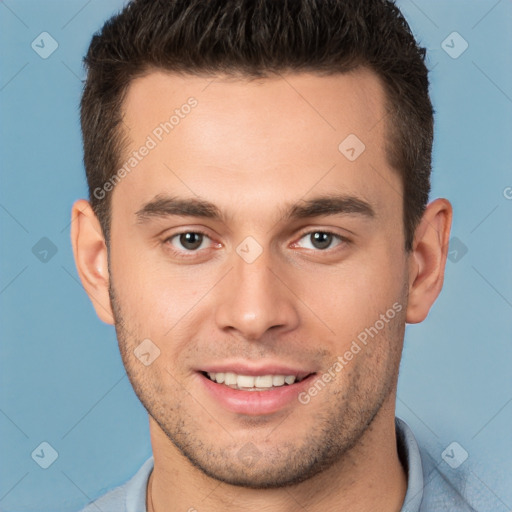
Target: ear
{"type": "Point", "coordinates": [428, 259]}
{"type": "Point", "coordinates": [91, 257]}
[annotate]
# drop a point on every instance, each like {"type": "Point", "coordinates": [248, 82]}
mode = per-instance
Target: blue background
{"type": "Point", "coordinates": [62, 380]}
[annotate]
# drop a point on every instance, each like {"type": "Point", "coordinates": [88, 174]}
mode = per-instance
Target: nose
{"type": "Point", "coordinates": [255, 298]}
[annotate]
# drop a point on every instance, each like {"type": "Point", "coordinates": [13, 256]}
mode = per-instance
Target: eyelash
{"type": "Point", "coordinates": [184, 253]}
{"type": "Point", "coordinates": [190, 254]}
{"type": "Point", "coordinates": [343, 240]}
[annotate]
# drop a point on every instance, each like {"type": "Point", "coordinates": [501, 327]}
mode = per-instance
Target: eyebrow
{"type": "Point", "coordinates": [164, 206]}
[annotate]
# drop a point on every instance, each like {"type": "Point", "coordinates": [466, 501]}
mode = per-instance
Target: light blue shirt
{"type": "Point", "coordinates": [427, 489]}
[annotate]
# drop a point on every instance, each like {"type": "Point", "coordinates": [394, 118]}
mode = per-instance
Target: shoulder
{"type": "Point", "coordinates": [433, 484]}
{"type": "Point", "coordinates": [443, 491]}
{"type": "Point", "coordinates": [129, 497]}
{"type": "Point", "coordinates": [114, 500]}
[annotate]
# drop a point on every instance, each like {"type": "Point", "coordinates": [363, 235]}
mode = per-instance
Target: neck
{"type": "Point", "coordinates": [369, 477]}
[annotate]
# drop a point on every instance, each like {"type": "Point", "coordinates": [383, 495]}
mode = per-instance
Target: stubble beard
{"type": "Point", "coordinates": [336, 429]}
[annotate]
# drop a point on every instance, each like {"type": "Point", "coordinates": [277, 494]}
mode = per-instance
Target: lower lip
{"type": "Point", "coordinates": [255, 403]}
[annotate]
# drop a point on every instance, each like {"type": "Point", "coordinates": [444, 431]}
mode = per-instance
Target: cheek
{"type": "Point", "coordinates": [351, 303]}
{"type": "Point", "coordinates": [354, 295]}
{"type": "Point", "coordinates": [158, 300]}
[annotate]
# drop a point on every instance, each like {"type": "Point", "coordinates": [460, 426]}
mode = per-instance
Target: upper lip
{"type": "Point", "coordinates": [254, 370]}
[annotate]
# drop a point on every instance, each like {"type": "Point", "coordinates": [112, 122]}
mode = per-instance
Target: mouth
{"type": "Point", "coordinates": [254, 382]}
{"type": "Point", "coordinates": [265, 392]}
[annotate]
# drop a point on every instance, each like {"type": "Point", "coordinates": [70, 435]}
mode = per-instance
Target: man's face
{"type": "Point", "coordinates": [257, 291]}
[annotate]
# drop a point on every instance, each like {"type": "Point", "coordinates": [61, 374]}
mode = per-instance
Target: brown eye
{"type": "Point", "coordinates": [191, 241]}
{"type": "Point", "coordinates": [188, 241]}
{"type": "Point", "coordinates": [321, 240]}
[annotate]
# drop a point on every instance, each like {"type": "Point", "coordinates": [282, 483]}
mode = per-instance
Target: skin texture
{"type": "Point", "coordinates": [252, 148]}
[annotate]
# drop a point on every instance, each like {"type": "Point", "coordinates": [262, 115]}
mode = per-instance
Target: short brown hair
{"type": "Point", "coordinates": [258, 38]}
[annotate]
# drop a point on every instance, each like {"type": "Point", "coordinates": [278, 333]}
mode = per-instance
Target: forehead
{"type": "Point", "coordinates": [315, 106]}
{"type": "Point", "coordinates": [292, 133]}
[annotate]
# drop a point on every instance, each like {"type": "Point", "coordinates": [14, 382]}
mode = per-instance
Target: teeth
{"type": "Point", "coordinates": [245, 381]}
{"type": "Point", "coordinates": [251, 382]}
{"type": "Point", "coordinates": [278, 380]}
{"type": "Point", "coordinates": [263, 381]}
{"type": "Point", "coordinates": [229, 379]}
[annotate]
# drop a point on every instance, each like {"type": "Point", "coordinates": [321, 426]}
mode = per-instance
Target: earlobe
{"type": "Point", "coordinates": [91, 257]}
{"type": "Point", "coordinates": [428, 259]}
